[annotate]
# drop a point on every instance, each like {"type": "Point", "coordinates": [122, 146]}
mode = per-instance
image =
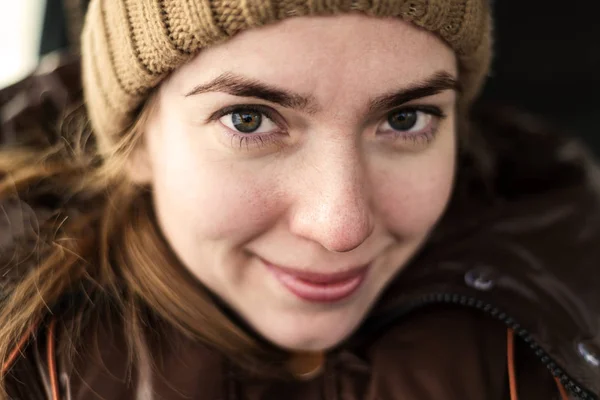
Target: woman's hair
{"type": "Point", "coordinates": [102, 255]}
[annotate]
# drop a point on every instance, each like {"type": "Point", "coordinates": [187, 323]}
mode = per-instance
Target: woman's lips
{"type": "Point", "coordinates": [318, 287]}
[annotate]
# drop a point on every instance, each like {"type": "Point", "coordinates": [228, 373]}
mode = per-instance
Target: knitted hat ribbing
{"type": "Point", "coordinates": [130, 46]}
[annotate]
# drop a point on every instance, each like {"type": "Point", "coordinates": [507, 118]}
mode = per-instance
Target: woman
{"type": "Point", "coordinates": [286, 199]}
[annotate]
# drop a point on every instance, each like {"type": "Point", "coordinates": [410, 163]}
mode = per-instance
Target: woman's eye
{"type": "Point", "coordinates": [407, 121]}
{"type": "Point", "coordinates": [248, 121]}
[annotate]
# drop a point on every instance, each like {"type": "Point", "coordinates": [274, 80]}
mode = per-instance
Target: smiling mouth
{"type": "Point", "coordinates": [319, 287]}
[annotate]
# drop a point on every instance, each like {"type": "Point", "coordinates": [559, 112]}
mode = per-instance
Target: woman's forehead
{"type": "Point", "coordinates": [352, 53]}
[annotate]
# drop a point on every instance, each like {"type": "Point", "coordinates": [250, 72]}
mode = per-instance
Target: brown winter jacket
{"type": "Point", "coordinates": [505, 295]}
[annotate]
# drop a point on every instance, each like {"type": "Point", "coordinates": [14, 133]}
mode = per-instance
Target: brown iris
{"type": "Point", "coordinates": [403, 120]}
{"type": "Point", "coordinates": [246, 121]}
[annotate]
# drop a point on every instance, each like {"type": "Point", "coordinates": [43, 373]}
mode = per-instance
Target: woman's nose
{"type": "Point", "coordinates": [333, 206]}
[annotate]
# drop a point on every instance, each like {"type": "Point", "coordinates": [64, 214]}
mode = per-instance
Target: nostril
{"type": "Point", "coordinates": [347, 235]}
{"type": "Point", "coordinates": [343, 248]}
{"type": "Point", "coordinates": [338, 232]}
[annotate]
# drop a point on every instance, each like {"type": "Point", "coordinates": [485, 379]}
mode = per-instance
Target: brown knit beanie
{"type": "Point", "coordinates": [130, 46]}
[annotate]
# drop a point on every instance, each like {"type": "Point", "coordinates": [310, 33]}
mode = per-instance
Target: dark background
{"type": "Point", "coordinates": [548, 62]}
{"type": "Point", "coordinates": [547, 59]}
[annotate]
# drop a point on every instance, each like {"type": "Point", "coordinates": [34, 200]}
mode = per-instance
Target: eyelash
{"type": "Point", "coordinates": [250, 139]}
{"type": "Point", "coordinates": [426, 136]}
{"type": "Point", "coordinates": [422, 138]}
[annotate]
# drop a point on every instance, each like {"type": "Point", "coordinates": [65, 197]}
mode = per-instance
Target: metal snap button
{"type": "Point", "coordinates": [589, 353]}
{"type": "Point", "coordinates": [481, 278]}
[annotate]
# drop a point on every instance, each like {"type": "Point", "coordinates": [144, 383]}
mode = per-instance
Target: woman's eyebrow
{"type": "Point", "coordinates": [437, 83]}
{"type": "Point", "coordinates": [241, 86]}
{"type": "Point", "coordinates": [237, 85]}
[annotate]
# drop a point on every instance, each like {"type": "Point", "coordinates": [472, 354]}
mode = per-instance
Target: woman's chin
{"type": "Point", "coordinates": [314, 334]}
{"type": "Point", "coordinates": [309, 342]}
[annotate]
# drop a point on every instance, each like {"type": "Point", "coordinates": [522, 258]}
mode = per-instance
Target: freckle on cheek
{"type": "Point", "coordinates": [233, 213]}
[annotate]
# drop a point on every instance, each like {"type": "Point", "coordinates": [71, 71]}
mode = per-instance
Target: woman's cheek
{"type": "Point", "coordinates": [225, 205]}
{"type": "Point", "coordinates": [411, 204]}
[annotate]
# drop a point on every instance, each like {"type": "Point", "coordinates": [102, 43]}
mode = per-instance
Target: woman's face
{"type": "Point", "coordinates": [297, 168]}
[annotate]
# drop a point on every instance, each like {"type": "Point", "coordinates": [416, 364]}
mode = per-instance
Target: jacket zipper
{"type": "Point", "coordinates": [472, 302]}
